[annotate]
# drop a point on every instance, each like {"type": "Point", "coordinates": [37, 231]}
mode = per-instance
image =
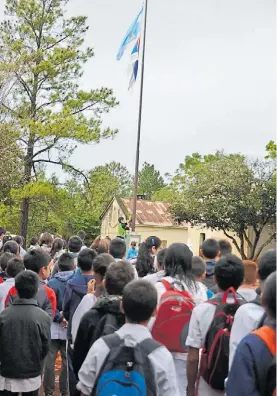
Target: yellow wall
{"type": "Point", "coordinates": [266, 233]}
{"type": "Point", "coordinates": [168, 235]}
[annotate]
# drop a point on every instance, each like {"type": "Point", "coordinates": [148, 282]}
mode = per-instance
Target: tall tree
{"type": "Point", "coordinates": [227, 193]}
{"type": "Point", "coordinates": [150, 181]}
{"type": "Point", "coordinates": [47, 107]}
{"type": "Point", "coordinates": [271, 150]}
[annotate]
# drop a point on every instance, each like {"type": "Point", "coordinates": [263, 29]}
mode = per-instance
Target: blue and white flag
{"type": "Point", "coordinates": [135, 63]}
{"type": "Point", "coordinates": [130, 36]}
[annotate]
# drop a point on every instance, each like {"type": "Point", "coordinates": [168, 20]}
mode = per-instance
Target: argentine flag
{"type": "Point", "coordinates": [131, 35]}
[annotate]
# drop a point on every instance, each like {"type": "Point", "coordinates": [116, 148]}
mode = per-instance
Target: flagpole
{"type": "Point", "coordinates": [134, 209]}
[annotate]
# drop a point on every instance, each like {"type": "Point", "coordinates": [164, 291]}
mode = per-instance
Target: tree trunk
{"type": "Point", "coordinates": [27, 178]}
{"type": "Point", "coordinates": [24, 217]}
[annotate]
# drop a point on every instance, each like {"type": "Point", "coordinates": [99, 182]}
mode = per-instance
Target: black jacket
{"type": "Point", "coordinates": [24, 339]}
{"type": "Point", "coordinates": [103, 319]}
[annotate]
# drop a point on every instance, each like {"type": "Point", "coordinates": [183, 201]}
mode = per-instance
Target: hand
{"type": "Point", "coordinates": [91, 286]}
{"type": "Point", "coordinates": [64, 323]}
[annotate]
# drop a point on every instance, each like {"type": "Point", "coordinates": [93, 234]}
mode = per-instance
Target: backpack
{"type": "Point", "coordinates": [127, 369]}
{"type": "Point", "coordinates": [215, 356]}
{"type": "Point", "coordinates": [172, 321]}
{"type": "Point", "coordinates": [268, 335]}
{"type": "Point", "coordinates": [258, 301]}
{"type": "Point", "coordinates": [108, 324]}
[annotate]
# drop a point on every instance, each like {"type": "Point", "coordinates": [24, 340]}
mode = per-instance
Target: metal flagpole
{"type": "Point", "coordinates": [134, 209]}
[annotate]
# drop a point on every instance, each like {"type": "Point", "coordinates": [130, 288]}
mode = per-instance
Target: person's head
{"type": "Point", "coordinates": [100, 266]}
{"type": "Point", "coordinates": [11, 247]}
{"type": "Point", "coordinates": [75, 244]}
{"type": "Point", "coordinates": [178, 263]}
{"type": "Point", "coordinates": [266, 265]}
{"type": "Point", "coordinates": [229, 272]}
{"type": "Point", "coordinates": [133, 244]}
{"type": "Point", "coordinates": [26, 284]}
{"type": "Point", "coordinates": [225, 247]}
{"type": "Point", "coordinates": [46, 239]}
{"type": "Point", "coordinates": [85, 260]}
{"type": "Point", "coordinates": [121, 220]}
{"type": "Point", "coordinates": [198, 268]}
{"type": "Point", "coordinates": [103, 246]}
{"type": "Point", "coordinates": [33, 241]}
{"type": "Point", "coordinates": [81, 234]}
{"type": "Point", "coordinates": [160, 258]}
{"type": "Point", "coordinates": [39, 262]}
{"type": "Point", "coordinates": [57, 246]}
{"type": "Point", "coordinates": [14, 267]}
{"type": "Point", "coordinates": [210, 249]}
{"type": "Point", "coordinates": [269, 296]}
{"type": "Point", "coordinates": [117, 248]}
{"type": "Point", "coordinates": [118, 275]}
{"type": "Point", "coordinates": [250, 273]}
{"type": "Point", "coordinates": [19, 240]}
{"type": "Point", "coordinates": [4, 259]}
{"type": "Point", "coordinates": [139, 301]}
{"type": "Point", "coordinates": [146, 255]}
{"type": "Point", "coordinates": [66, 262]}
{"type": "Point", "coordinates": [2, 233]}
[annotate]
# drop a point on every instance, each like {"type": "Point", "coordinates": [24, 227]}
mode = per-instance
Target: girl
{"type": "Point", "coordinates": [146, 256]}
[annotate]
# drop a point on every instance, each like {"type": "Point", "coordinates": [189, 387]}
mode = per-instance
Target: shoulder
{"type": "Point", "coordinates": [90, 316]}
{"type": "Point", "coordinates": [49, 292]}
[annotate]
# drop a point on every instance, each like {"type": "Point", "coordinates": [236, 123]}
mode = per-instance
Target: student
{"type": "Point", "coordinates": [249, 316]}
{"type": "Point", "coordinates": [40, 262]}
{"type": "Point", "coordinates": [2, 234]}
{"type": "Point", "coordinates": [4, 259]}
{"type": "Point", "coordinates": [248, 289]}
{"type": "Point", "coordinates": [57, 249]}
{"type": "Point", "coordinates": [210, 251]}
{"type": "Point", "coordinates": [58, 328]}
{"type": "Point", "coordinates": [20, 241]}
{"type": "Point", "coordinates": [24, 340]}
{"type": "Point", "coordinates": [11, 247]}
{"type": "Point", "coordinates": [133, 251]}
{"type": "Point", "coordinates": [228, 272]}
{"type": "Point", "coordinates": [14, 267]}
{"type": "Point", "coordinates": [95, 290]}
{"type": "Point", "coordinates": [225, 247]}
{"type": "Point", "coordinates": [118, 251]}
{"type": "Point", "coordinates": [82, 235]}
{"type": "Point", "coordinates": [139, 303]}
{"type": "Point", "coordinates": [118, 275]}
{"type": "Point", "coordinates": [249, 374]}
{"type": "Point", "coordinates": [101, 245]}
{"type": "Point", "coordinates": [146, 256]}
{"type": "Point", "coordinates": [74, 247]}
{"type": "Point", "coordinates": [46, 242]}
{"type": "Point", "coordinates": [33, 244]}
{"type": "Point", "coordinates": [157, 276]}
{"type": "Point", "coordinates": [199, 273]}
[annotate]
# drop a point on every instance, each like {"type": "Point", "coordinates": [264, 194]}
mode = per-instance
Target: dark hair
{"type": "Point", "coordinates": [26, 284]}
{"type": "Point", "coordinates": [11, 247]}
{"type": "Point", "coordinates": [4, 259]}
{"type": "Point", "coordinates": [14, 267]}
{"type": "Point", "coordinates": [225, 247]}
{"type": "Point", "coordinates": [2, 231]}
{"type": "Point", "coordinates": [198, 267]}
{"type": "Point", "coordinates": [134, 243]}
{"type": "Point", "coordinates": [118, 248]}
{"type": "Point", "coordinates": [229, 272]}
{"type": "Point", "coordinates": [18, 239]}
{"type": "Point", "coordinates": [46, 239]}
{"type": "Point", "coordinates": [250, 272]}
{"type": "Point", "coordinates": [75, 244]}
{"type": "Point", "coordinates": [36, 259]}
{"type": "Point", "coordinates": [85, 259]}
{"type": "Point", "coordinates": [145, 260]}
{"type": "Point", "coordinates": [33, 241]}
{"type": "Point", "coordinates": [161, 256]}
{"type": "Point", "coordinates": [56, 247]}
{"type": "Point", "coordinates": [267, 264]}
{"type": "Point", "coordinates": [81, 234]}
{"type": "Point", "coordinates": [177, 263]}
{"type": "Point", "coordinates": [269, 295]}
{"type": "Point", "coordinates": [101, 264]}
{"type": "Point", "coordinates": [210, 248]}
{"type": "Point", "coordinates": [139, 301]}
{"type": "Point", "coordinates": [7, 238]}
{"type": "Point", "coordinates": [118, 275]}
{"type": "Point", "coordinates": [66, 262]}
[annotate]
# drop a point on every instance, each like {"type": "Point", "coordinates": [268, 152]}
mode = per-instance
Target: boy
{"type": "Point", "coordinates": [24, 340]}
{"type": "Point", "coordinates": [249, 316]}
{"type": "Point", "coordinates": [40, 262]}
{"type": "Point", "coordinates": [160, 274]}
{"type": "Point", "coordinates": [225, 247]}
{"type": "Point", "coordinates": [118, 251]}
{"type": "Point", "coordinates": [118, 275]}
{"type": "Point", "coordinates": [229, 272]}
{"type": "Point", "coordinates": [253, 358]}
{"type": "Point", "coordinates": [139, 303]}
{"type": "Point", "coordinates": [58, 328]}
{"type": "Point", "coordinates": [133, 251]}
{"type": "Point", "coordinates": [14, 267]}
{"type": "Point", "coordinates": [75, 245]}
{"type": "Point", "coordinates": [248, 289]}
{"type": "Point", "coordinates": [199, 273]}
{"type": "Point", "coordinates": [4, 259]}
{"type": "Point", "coordinates": [20, 241]}
{"type": "Point", "coordinates": [210, 252]}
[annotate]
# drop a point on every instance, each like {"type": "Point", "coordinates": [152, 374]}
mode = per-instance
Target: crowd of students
{"type": "Point", "coordinates": [130, 321]}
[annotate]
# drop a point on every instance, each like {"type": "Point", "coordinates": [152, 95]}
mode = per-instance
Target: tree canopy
{"type": "Point", "coordinates": [150, 181]}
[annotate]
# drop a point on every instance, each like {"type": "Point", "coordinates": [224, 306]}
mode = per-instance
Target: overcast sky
{"type": "Point", "coordinates": [209, 78]}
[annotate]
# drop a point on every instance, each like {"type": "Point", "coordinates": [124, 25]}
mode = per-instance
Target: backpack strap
{"type": "Point", "coordinates": [166, 284]}
{"type": "Point", "coordinates": [268, 335]}
{"type": "Point", "coordinates": [149, 345]}
{"type": "Point", "coordinates": [112, 340]}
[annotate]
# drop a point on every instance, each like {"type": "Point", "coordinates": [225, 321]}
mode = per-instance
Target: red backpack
{"type": "Point", "coordinates": [172, 321]}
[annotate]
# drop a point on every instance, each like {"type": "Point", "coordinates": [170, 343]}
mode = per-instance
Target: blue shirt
{"type": "Point", "coordinates": [132, 253]}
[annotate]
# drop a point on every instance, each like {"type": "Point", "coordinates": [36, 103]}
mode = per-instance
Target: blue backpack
{"type": "Point", "coordinates": [126, 370]}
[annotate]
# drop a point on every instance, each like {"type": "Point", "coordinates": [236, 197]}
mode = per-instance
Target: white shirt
{"type": "Point", "coordinates": [160, 359]}
{"type": "Point", "coordinates": [156, 277]}
{"type": "Point", "coordinates": [85, 305]}
{"type": "Point", "coordinates": [20, 385]}
{"type": "Point", "coordinates": [247, 293]}
{"type": "Point", "coordinates": [4, 290]}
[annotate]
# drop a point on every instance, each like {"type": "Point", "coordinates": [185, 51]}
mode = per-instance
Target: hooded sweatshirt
{"type": "Point", "coordinates": [76, 289]}
{"type": "Point", "coordinates": [103, 319]}
{"type": "Point", "coordinates": [209, 280]}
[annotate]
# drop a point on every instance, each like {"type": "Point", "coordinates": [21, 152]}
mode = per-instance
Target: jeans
{"type": "Point", "coordinates": [49, 368]}
{"type": "Point", "coordinates": [7, 393]}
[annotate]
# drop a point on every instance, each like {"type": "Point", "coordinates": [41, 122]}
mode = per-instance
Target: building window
{"type": "Point", "coordinates": [202, 238]}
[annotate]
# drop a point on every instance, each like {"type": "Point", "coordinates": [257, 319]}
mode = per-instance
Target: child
{"type": "Point", "coordinates": [248, 289]}
{"type": "Point", "coordinates": [118, 251]}
{"type": "Point", "coordinates": [199, 273]}
{"type": "Point", "coordinates": [14, 267]}
{"type": "Point", "coordinates": [133, 251]}
{"type": "Point", "coordinates": [210, 253]}
{"type": "Point", "coordinates": [139, 303]}
{"type": "Point", "coordinates": [154, 278]}
{"type": "Point", "coordinates": [24, 339]}
{"type": "Point", "coordinates": [4, 259]}
{"type": "Point", "coordinates": [58, 328]}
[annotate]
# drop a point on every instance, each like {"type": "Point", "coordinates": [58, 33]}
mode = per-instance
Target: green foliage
{"type": "Point", "coordinates": [150, 181]}
{"type": "Point", "coordinates": [271, 150]}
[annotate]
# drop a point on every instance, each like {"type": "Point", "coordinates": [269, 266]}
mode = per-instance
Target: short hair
{"type": "Point", "coordinates": [66, 262]}
{"type": "Point", "coordinates": [4, 259]}
{"type": "Point", "coordinates": [81, 234]}
{"type": "Point", "coordinates": [36, 259]}
{"type": "Point", "coordinates": [139, 301]}
{"type": "Point", "coordinates": [46, 239]}
{"type": "Point", "coordinates": [250, 272]}
{"type": "Point", "coordinates": [14, 267]}
{"type": "Point", "coordinates": [118, 248]}
{"type": "Point", "coordinates": [267, 264]}
{"type": "Point", "coordinates": [118, 275]}
{"type": "Point", "coordinates": [210, 248]}
{"type": "Point", "coordinates": [18, 239]}
{"type": "Point", "coordinates": [160, 256]}
{"type": "Point", "coordinates": [85, 259]}
{"type": "Point", "coordinates": [134, 243]}
{"type": "Point", "coordinates": [269, 295]}
{"type": "Point", "coordinates": [198, 266]}
{"type": "Point", "coordinates": [11, 247]}
{"type": "Point", "coordinates": [229, 272]}
{"type": "Point", "coordinates": [75, 244]}
{"type": "Point", "coordinates": [33, 241]}
{"type": "Point", "coordinates": [26, 284]}
{"type": "Point", "coordinates": [2, 231]}
{"type": "Point", "coordinates": [103, 246]}
{"type": "Point", "coordinates": [225, 247]}
{"type": "Point", "coordinates": [101, 263]}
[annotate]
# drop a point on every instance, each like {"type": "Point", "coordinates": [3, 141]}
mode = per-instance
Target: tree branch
{"type": "Point", "coordinates": [83, 109]}
{"type": "Point", "coordinates": [233, 240]}
{"type": "Point", "coordinates": [264, 245]}
{"type": "Point", "coordinates": [46, 148]}
{"type": "Point", "coordinates": [247, 239]}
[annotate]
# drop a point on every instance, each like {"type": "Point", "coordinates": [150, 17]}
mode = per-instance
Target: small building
{"type": "Point", "coordinates": [154, 218]}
